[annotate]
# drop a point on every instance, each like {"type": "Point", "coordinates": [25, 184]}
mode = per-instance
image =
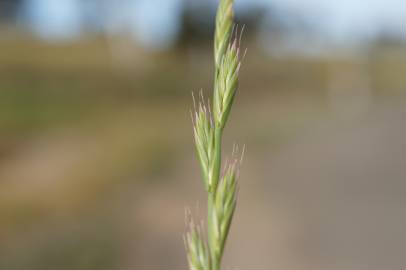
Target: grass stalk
{"type": "Point", "coordinates": [206, 254]}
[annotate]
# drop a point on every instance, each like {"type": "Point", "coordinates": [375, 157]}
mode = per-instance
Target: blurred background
{"type": "Point", "coordinates": [97, 159]}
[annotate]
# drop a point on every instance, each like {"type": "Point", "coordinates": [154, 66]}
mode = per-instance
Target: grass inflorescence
{"type": "Point", "coordinates": [205, 253]}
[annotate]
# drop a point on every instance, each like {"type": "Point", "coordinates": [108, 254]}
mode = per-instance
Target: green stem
{"type": "Point", "coordinates": [213, 245]}
{"type": "Point", "coordinates": [210, 205]}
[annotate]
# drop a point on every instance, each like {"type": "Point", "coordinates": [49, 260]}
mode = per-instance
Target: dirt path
{"type": "Point", "coordinates": [335, 199]}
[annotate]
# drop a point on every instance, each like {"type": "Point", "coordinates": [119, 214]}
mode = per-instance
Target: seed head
{"type": "Point", "coordinates": [224, 206]}
{"type": "Point", "coordinates": [226, 83]}
{"type": "Point", "coordinates": [198, 256]}
{"type": "Point", "coordinates": [204, 140]}
{"type": "Point", "coordinates": [224, 25]}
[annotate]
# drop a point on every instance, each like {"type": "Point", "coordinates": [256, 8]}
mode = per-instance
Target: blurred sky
{"type": "Point", "coordinates": [156, 23]}
{"type": "Point", "coordinates": [351, 18]}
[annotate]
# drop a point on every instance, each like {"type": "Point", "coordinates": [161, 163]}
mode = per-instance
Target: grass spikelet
{"type": "Point", "coordinates": [198, 256]}
{"type": "Point", "coordinates": [225, 202]}
{"type": "Point", "coordinates": [224, 26]}
{"type": "Point", "coordinates": [204, 140]}
{"type": "Point", "coordinates": [227, 83]}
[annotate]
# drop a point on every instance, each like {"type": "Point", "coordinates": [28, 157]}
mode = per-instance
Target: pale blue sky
{"type": "Point", "coordinates": [156, 22]}
{"type": "Point", "coordinates": [349, 18]}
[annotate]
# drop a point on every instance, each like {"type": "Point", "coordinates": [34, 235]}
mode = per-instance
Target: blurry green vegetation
{"type": "Point", "coordinates": [48, 84]}
{"type": "Point", "coordinates": [80, 125]}
{"type": "Point", "coordinates": [88, 246]}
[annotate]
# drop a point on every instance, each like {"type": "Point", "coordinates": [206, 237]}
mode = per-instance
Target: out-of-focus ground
{"type": "Point", "coordinates": [97, 159]}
